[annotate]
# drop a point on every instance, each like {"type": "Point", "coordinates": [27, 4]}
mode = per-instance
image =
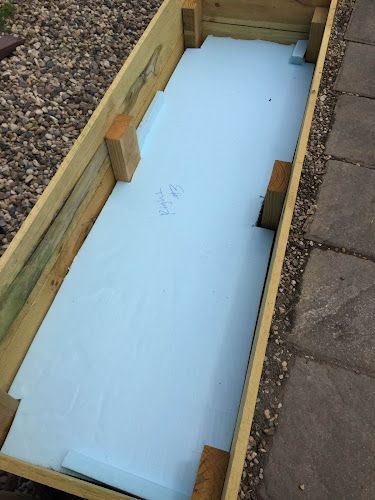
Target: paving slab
{"type": "Point", "coordinates": [323, 448]}
{"type": "Point", "coordinates": [353, 133]}
{"type": "Point", "coordinates": [357, 73]}
{"type": "Point", "coordinates": [335, 316]}
{"type": "Point", "coordinates": [361, 27]}
{"type": "Point", "coordinates": [345, 215]}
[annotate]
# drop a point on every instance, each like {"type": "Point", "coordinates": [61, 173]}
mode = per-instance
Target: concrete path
{"type": "Point", "coordinates": [324, 447]}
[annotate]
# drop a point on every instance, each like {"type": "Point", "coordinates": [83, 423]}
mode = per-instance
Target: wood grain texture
{"type": "Point", "coordinates": [251, 32]}
{"type": "Point", "coordinates": [123, 149]}
{"type": "Point", "coordinates": [192, 22]}
{"type": "Point", "coordinates": [275, 195]}
{"type": "Point", "coordinates": [211, 474]}
{"type": "Point", "coordinates": [17, 340]}
{"type": "Point", "coordinates": [8, 408]}
{"type": "Point", "coordinates": [316, 34]}
{"type": "Point", "coordinates": [289, 15]}
{"type": "Point", "coordinates": [147, 69]}
{"type": "Point", "coordinates": [249, 395]}
{"type": "Point", "coordinates": [72, 485]}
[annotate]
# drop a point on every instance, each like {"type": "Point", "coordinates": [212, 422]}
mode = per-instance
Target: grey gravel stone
{"type": "Point", "coordinates": [345, 215]}
{"type": "Point", "coordinates": [323, 406]}
{"type": "Point", "coordinates": [51, 85]}
{"type": "Point", "coordinates": [353, 133]}
{"type": "Point", "coordinates": [357, 74]}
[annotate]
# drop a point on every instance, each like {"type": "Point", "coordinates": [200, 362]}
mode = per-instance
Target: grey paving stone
{"type": "Point", "coordinates": [353, 133]}
{"type": "Point", "coordinates": [357, 73]}
{"type": "Point", "coordinates": [325, 437]}
{"type": "Point", "coordinates": [345, 215]}
{"type": "Point", "coordinates": [362, 23]}
{"type": "Point", "coordinates": [335, 316]}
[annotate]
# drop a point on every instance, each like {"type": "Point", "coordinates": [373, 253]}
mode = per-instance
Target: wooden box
{"type": "Point", "coordinates": [35, 264]}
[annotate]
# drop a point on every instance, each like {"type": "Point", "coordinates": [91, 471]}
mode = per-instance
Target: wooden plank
{"type": "Point", "coordinates": [146, 70]}
{"type": "Point", "coordinates": [276, 191]}
{"type": "Point", "coordinates": [211, 474]}
{"type": "Point", "coordinates": [8, 408]}
{"type": "Point", "coordinates": [249, 395]}
{"type": "Point", "coordinates": [316, 33]}
{"type": "Point", "coordinates": [72, 485]}
{"type": "Point", "coordinates": [14, 296]}
{"type": "Point", "coordinates": [276, 14]}
{"type": "Point", "coordinates": [123, 149]}
{"type": "Point", "coordinates": [192, 22]}
{"type": "Point", "coordinates": [8, 45]}
{"type": "Point", "coordinates": [251, 32]}
{"type": "Point", "coordinates": [16, 342]}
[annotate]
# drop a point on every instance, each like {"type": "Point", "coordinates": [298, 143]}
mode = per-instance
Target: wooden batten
{"type": "Point", "coordinates": [276, 191]}
{"type": "Point", "coordinates": [211, 474]}
{"type": "Point", "coordinates": [123, 149]}
{"type": "Point", "coordinates": [316, 33]}
{"type": "Point", "coordinates": [8, 408]}
{"type": "Point", "coordinates": [192, 23]}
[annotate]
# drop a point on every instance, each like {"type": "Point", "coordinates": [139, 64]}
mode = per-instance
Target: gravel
{"type": "Point", "coordinates": [280, 356]}
{"type": "Point", "coordinates": [51, 86]}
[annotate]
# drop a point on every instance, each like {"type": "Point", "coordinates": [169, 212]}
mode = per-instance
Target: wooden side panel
{"type": "Point", "coordinates": [52, 260]}
{"type": "Point", "coordinates": [62, 482]}
{"type": "Point", "coordinates": [289, 15]}
{"type": "Point", "coordinates": [211, 474]}
{"type": "Point", "coordinates": [8, 408]}
{"type": "Point", "coordinates": [249, 395]}
{"type": "Point", "coordinates": [146, 70]}
{"type": "Point", "coordinates": [252, 33]}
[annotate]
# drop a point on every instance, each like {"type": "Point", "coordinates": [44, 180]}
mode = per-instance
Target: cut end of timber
{"type": "Point", "coordinates": [211, 474]}
{"type": "Point", "coordinates": [276, 191]}
{"type": "Point", "coordinates": [119, 127]}
{"type": "Point", "coordinates": [123, 148]}
{"type": "Point", "coordinates": [192, 22]}
{"type": "Point", "coordinates": [8, 408]}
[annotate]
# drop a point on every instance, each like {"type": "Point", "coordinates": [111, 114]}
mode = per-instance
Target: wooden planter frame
{"type": "Point", "coordinates": [36, 262]}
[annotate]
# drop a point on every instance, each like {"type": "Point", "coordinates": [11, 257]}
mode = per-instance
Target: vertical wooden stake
{"type": "Point", "coordinates": [192, 21]}
{"type": "Point", "coordinates": [211, 474]}
{"type": "Point", "coordinates": [8, 408]}
{"type": "Point", "coordinates": [122, 144]}
{"type": "Point", "coordinates": [274, 199]}
{"type": "Point", "coordinates": [316, 33]}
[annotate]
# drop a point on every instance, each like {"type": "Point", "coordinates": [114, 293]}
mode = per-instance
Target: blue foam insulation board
{"type": "Point", "coordinates": [141, 359]}
{"type": "Point", "coordinates": [299, 52]}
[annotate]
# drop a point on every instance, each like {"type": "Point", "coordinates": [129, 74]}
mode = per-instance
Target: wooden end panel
{"type": "Point", "coordinates": [192, 23]}
{"type": "Point", "coordinates": [8, 408]}
{"type": "Point", "coordinates": [276, 191]}
{"type": "Point", "coordinates": [211, 474]}
{"type": "Point", "coordinates": [317, 27]}
{"type": "Point", "coordinates": [123, 149]}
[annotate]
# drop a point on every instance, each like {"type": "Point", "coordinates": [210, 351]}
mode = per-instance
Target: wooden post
{"type": "Point", "coordinates": [8, 408]}
{"type": "Point", "coordinates": [122, 144]}
{"type": "Point", "coordinates": [316, 33]}
{"type": "Point", "coordinates": [276, 191]}
{"type": "Point", "coordinates": [192, 22]}
{"type": "Point", "coordinates": [211, 474]}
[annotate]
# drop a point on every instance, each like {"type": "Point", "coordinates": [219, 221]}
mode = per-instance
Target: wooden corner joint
{"type": "Point", "coordinates": [123, 149]}
{"type": "Point", "coordinates": [8, 408]}
{"type": "Point", "coordinates": [276, 191]}
{"type": "Point", "coordinates": [192, 23]}
{"type": "Point", "coordinates": [211, 474]}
